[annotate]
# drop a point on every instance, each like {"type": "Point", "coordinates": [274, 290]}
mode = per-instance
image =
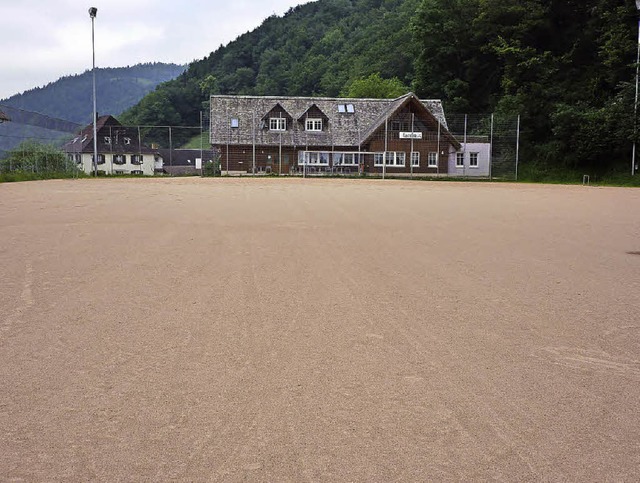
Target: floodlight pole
{"type": "Point", "coordinates": [93, 11]}
{"type": "Point", "coordinates": [635, 104]}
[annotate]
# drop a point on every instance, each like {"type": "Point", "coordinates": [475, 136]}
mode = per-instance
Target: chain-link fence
{"type": "Point", "coordinates": [403, 145]}
{"type": "Point", "coordinates": [462, 146]}
{"type": "Point", "coordinates": [493, 136]}
{"type": "Point", "coordinates": [30, 143]}
{"type": "Point", "coordinates": [36, 144]}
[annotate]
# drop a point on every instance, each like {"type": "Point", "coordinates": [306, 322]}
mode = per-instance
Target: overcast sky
{"type": "Point", "coordinates": [43, 40]}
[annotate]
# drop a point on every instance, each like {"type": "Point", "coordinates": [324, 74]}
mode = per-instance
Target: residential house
{"type": "Point", "coordinates": [120, 150]}
{"type": "Point", "coordinates": [292, 134]}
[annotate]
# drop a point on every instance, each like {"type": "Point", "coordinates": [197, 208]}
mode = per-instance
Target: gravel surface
{"type": "Point", "coordinates": [320, 330]}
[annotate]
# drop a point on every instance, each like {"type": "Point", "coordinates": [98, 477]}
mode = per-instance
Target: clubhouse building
{"type": "Point", "coordinates": [291, 135]}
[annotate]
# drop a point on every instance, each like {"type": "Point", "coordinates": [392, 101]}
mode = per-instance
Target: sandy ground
{"type": "Point", "coordinates": [318, 330]}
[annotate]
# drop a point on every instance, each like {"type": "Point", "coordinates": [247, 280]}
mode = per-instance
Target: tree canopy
{"type": "Point", "coordinates": [565, 66]}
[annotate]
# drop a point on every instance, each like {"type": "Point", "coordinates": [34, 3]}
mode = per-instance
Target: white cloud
{"type": "Point", "coordinates": [44, 40]}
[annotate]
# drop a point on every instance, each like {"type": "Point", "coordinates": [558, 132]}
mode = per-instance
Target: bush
{"type": "Point", "coordinates": [42, 160]}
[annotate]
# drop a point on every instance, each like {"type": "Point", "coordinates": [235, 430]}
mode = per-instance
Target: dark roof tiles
{"type": "Point", "coordinates": [347, 126]}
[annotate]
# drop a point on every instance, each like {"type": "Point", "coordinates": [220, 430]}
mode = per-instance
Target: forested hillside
{"type": "Point", "coordinates": [316, 49]}
{"type": "Point", "coordinates": [70, 97]}
{"type": "Point", "coordinates": [566, 66]}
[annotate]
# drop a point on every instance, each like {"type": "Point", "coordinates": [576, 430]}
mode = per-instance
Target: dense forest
{"type": "Point", "coordinates": [566, 66]}
{"type": "Point", "coordinates": [318, 48]}
{"type": "Point", "coordinates": [70, 97]}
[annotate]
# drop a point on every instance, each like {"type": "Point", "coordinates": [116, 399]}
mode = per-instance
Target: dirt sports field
{"type": "Point", "coordinates": [318, 330]}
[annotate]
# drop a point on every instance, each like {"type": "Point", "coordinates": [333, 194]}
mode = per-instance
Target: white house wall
{"type": "Point", "coordinates": [147, 167]}
{"type": "Point", "coordinates": [483, 150]}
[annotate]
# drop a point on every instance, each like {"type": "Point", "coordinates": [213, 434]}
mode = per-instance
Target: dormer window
{"type": "Point", "coordinates": [107, 139]}
{"type": "Point", "coordinates": [313, 125]}
{"type": "Point", "coordinates": [235, 122]}
{"type": "Point", "coordinates": [127, 140]}
{"type": "Point", "coordinates": [350, 108]}
{"type": "Point", "coordinates": [342, 108]}
{"type": "Point", "coordinates": [277, 124]}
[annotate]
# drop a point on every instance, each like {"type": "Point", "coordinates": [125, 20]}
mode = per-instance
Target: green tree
{"type": "Point", "coordinates": [34, 157]}
{"type": "Point", "coordinates": [375, 87]}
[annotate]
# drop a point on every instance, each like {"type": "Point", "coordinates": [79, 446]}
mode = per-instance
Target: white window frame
{"type": "Point", "coordinates": [460, 160]}
{"type": "Point", "coordinates": [432, 160]}
{"type": "Point", "coordinates": [345, 159]}
{"type": "Point", "coordinates": [415, 159]}
{"type": "Point", "coordinates": [235, 123]}
{"type": "Point", "coordinates": [127, 141]}
{"type": "Point", "coordinates": [116, 157]}
{"type": "Point", "coordinates": [277, 124]}
{"type": "Point", "coordinates": [313, 158]}
{"type": "Point", "coordinates": [137, 159]}
{"type": "Point", "coordinates": [351, 109]}
{"type": "Point", "coordinates": [395, 159]}
{"type": "Point", "coordinates": [102, 159]}
{"type": "Point", "coordinates": [473, 160]}
{"type": "Point", "coordinates": [313, 124]}
{"type": "Point", "coordinates": [107, 139]}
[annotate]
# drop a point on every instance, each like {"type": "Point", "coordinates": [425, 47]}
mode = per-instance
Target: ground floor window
{"type": "Point", "coordinates": [75, 157]}
{"type": "Point", "coordinates": [433, 159]}
{"type": "Point", "coordinates": [459, 160]}
{"type": "Point", "coordinates": [119, 158]}
{"type": "Point", "coordinates": [345, 159]}
{"type": "Point", "coordinates": [313, 158]}
{"type": "Point", "coordinates": [101, 158]}
{"type": "Point", "coordinates": [415, 159]}
{"type": "Point", "coordinates": [391, 158]}
{"type": "Point", "coordinates": [473, 160]}
{"type": "Point", "coordinates": [136, 159]}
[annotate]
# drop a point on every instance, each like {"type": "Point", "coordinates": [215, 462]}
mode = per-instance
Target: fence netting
{"type": "Point", "coordinates": [33, 142]}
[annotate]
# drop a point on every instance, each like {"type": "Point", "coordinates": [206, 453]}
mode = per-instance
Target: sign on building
{"type": "Point", "coordinates": [410, 135]}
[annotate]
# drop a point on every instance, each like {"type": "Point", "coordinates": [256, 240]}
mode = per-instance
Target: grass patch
{"type": "Point", "coordinates": [16, 176]}
{"type": "Point", "coordinates": [196, 142]}
{"type": "Point", "coordinates": [552, 175]}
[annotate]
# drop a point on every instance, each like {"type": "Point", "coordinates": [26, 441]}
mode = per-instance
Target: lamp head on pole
{"type": "Point", "coordinates": [93, 11]}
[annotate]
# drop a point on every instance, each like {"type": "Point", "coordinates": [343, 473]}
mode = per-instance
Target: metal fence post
{"type": "Point", "coordinates": [491, 150]}
{"type": "Point", "coordinates": [517, 146]}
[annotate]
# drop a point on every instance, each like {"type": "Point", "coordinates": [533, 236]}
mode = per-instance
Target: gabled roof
{"type": "Point", "coordinates": [276, 108]}
{"type": "Point", "coordinates": [350, 125]}
{"type": "Point", "coordinates": [83, 141]}
{"type": "Point", "coordinates": [303, 115]}
{"type": "Point", "coordinates": [422, 107]}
